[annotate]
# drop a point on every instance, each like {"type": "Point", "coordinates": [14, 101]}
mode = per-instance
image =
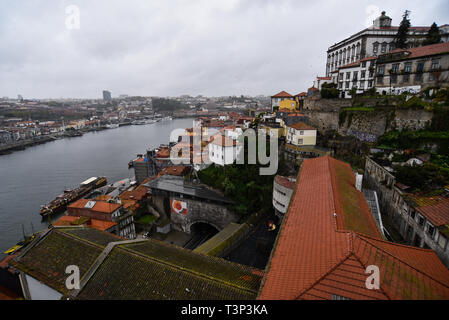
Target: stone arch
{"type": "Point", "coordinates": [189, 226]}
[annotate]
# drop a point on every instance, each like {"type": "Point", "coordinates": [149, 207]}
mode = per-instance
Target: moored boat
{"type": "Point", "coordinates": [59, 204]}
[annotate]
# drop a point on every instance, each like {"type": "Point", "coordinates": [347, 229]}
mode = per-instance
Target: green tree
{"type": "Point", "coordinates": [329, 91]}
{"type": "Point", "coordinates": [401, 37]}
{"type": "Point", "coordinates": [433, 36]}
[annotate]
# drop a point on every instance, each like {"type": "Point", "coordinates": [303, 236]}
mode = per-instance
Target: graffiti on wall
{"type": "Point", "coordinates": [179, 207]}
{"type": "Point", "coordinates": [363, 136]}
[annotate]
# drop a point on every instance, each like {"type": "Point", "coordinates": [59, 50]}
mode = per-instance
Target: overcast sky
{"type": "Point", "coordinates": [174, 47]}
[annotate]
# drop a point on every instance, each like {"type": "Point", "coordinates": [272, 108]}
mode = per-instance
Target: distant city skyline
{"type": "Point", "coordinates": [173, 48]}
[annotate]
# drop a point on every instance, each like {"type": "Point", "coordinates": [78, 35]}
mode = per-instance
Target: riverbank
{"type": "Point", "coordinates": [26, 143]}
{"type": "Point", "coordinates": [33, 177]}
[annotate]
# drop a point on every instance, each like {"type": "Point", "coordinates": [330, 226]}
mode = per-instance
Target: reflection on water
{"type": "Point", "coordinates": [35, 176]}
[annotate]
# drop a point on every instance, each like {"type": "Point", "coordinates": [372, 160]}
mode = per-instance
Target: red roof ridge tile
{"type": "Point", "coordinates": [307, 262]}
{"type": "Point", "coordinates": [362, 237]}
{"type": "Point", "coordinates": [324, 275]}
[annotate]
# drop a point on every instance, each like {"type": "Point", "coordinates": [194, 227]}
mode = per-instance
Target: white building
{"type": "Point", "coordinates": [223, 150]}
{"type": "Point", "coordinates": [375, 40]}
{"type": "Point", "coordinates": [282, 192]}
{"type": "Point", "coordinates": [359, 75]}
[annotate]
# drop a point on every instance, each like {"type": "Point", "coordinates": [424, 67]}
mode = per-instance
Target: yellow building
{"type": "Point", "coordinates": [289, 104]}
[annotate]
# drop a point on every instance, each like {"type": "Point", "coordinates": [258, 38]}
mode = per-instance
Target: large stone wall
{"type": "Point", "coordinates": [326, 105]}
{"type": "Point", "coordinates": [327, 114]}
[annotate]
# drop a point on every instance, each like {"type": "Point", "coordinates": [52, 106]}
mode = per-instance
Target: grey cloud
{"type": "Point", "coordinates": [179, 46]}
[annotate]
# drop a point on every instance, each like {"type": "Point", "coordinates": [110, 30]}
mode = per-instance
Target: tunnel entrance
{"type": "Point", "coordinates": [201, 232]}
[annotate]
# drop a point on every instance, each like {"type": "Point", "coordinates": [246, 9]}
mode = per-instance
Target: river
{"type": "Point", "coordinates": [36, 175]}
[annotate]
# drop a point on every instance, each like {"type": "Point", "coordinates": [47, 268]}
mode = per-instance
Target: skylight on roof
{"type": "Point", "coordinates": [90, 204]}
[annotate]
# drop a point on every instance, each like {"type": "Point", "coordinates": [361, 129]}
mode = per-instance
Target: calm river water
{"type": "Point", "coordinates": [35, 176]}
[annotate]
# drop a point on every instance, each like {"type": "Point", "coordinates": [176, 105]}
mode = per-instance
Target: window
{"type": "Point", "coordinates": [391, 46]}
{"type": "Point", "coordinates": [301, 133]}
{"type": "Point", "coordinates": [300, 141]}
{"type": "Point", "coordinates": [370, 83]}
{"type": "Point", "coordinates": [375, 47]}
{"type": "Point", "coordinates": [430, 230]}
{"type": "Point", "coordinates": [340, 76]}
{"type": "Point", "coordinates": [408, 67]}
{"type": "Point", "coordinates": [362, 74]}
{"type": "Point", "coordinates": [371, 74]}
{"type": "Point", "coordinates": [364, 64]}
{"type": "Point", "coordinates": [435, 64]}
{"type": "Point", "coordinates": [412, 214]}
{"type": "Point", "coordinates": [395, 68]}
{"type": "Point", "coordinates": [418, 77]}
{"type": "Point", "coordinates": [355, 74]}
{"type": "Point", "coordinates": [420, 67]}
{"type": "Point", "coordinates": [421, 220]}
{"type": "Point", "coordinates": [384, 47]}
{"type": "Point", "coordinates": [394, 78]}
{"type": "Point", "coordinates": [381, 70]}
{"type": "Point", "coordinates": [380, 80]}
{"type": "Point", "coordinates": [348, 75]}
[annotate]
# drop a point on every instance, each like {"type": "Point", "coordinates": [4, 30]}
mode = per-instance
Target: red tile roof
{"type": "Point", "coordinates": [282, 94]}
{"type": "Point", "coordinates": [100, 206]}
{"type": "Point", "coordinates": [93, 223]}
{"type": "Point", "coordinates": [302, 94]}
{"type": "Point", "coordinates": [137, 194]}
{"type": "Point", "coordinates": [436, 209]}
{"type": "Point", "coordinates": [300, 126]}
{"type": "Point", "coordinates": [423, 51]}
{"type": "Point", "coordinates": [350, 65]}
{"type": "Point", "coordinates": [318, 255]}
{"type": "Point", "coordinates": [175, 171]}
{"type": "Point", "coordinates": [357, 63]}
{"type": "Point", "coordinates": [222, 141]}
{"type": "Point", "coordinates": [324, 78]}
{"type": "Point", "coordinates": [368, 59]}
{"type": "Point", "coordinates": [288, 182]}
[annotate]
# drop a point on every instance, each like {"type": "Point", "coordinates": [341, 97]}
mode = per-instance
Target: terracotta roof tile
{"type": "Point", "coordinates": [301, 126]}
{"type": "Point", "coordinates": [288, 182]}
{"type": "Point", "coordinates": [76, 221]}
{"type": "Point", "coordinates": [436, 208]}
{"type": "Point", "coordinates": [282, 94]}
{"type": "Point", "coordinates": [418, 52]}
{"type": "Point", "coordinates": [100, 206]}
{"type": "Point", "coordinates": [318, 255]}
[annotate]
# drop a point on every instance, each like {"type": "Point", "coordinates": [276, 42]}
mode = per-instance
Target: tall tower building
{"type": "Point", "coordinates": [107, 96]}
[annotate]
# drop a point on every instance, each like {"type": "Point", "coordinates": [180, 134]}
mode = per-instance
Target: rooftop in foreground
{"type": "Point", "coordinates": [133, 270]}
{"type": "Point", "coordinates": [329, 237]}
